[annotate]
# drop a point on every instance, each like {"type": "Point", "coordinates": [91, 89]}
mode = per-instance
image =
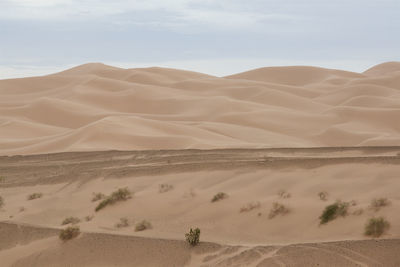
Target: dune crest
{"type": "Point", "coordinates": [100, 107]}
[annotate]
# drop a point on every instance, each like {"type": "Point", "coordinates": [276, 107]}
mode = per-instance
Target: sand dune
{"type": "Point", "coordinates": [99, 107]}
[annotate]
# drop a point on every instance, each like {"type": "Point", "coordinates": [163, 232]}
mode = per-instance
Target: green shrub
{"type": "Point", "coordinates": [378, 203]}
{"type": "Point", "coordinates": [376, 227]}
{"type": "Point", "coordinates": [70, 220]}
{"type": "Point", "coordinates": [334, 210]}
{"type": "Point", "coordinates": [1, 202]}
{"type": "Point", "coordinates": [34, 196]}
{"type": "Point", "coordinates": [219, 196]}
{"type": "Point", "coordinates": [193, 237]}
{"type": "Point", "coordinates": [121, 194]}
{"type": "Point", "coordinates": [69, 233]}
{"type": "Point", "coordinates": [143, 225]}
{"type": "Point", "coordinates": [98, 196]}
{"type": "Point", "coordinates": [277, 209]}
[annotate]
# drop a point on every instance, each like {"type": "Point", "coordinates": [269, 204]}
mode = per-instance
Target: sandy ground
{"type": "Point", "coordinates": [28, 235]}
{"type": "Point", "coordinates": [98, 107]}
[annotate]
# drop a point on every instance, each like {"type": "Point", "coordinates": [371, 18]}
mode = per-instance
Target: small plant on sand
{"type": "Point", "coordinates": [333, 211]}
{"type": "Point", "coordinates": [88, 218]}
{"type": "Point", "coordinates": [121, 194]}
{"type": "Point", "coordinates": [278, 209]}
{"type": "Point", "coordinates": [284, 194]}
{"type": "Point", "coordinates": [69, 233]}
{"type": "Point", "coordinates": [378, 203]}
{"type": "Point", "coordinates": [1, 202]}
{"type": "Point", "coordinates": [143, 225]}
{"type": "Point", "coordinates": [193, 237]}
{"type": "Point", "coordinates": [358, 212]}
{"type": "Point", "coordinates": [219, 196]}
{"type": "Point", "coordinates": [70, 220]}
{"type": "Point", "coordinates": [34, 196]}
{"type": "Point", "coordinates": [123, 222]}
{"type": "Point", "coordinates": [98, 196]}
{"type": "Point", "coordinates": [162, 188]}
{"type": "Point", "coordinates": [323, 196]}
{"type": "Point", "coordinates": [376, 227]}
{"type": "Point", "coordinates": [250, 206]}
{"type": "Point", "coordinates": [2, 179]}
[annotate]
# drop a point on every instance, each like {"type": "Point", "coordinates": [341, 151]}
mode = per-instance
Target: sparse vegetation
{"type": "Point", "coordinates": [21, 209]}
{"type": "Point", "coordinates": [143, 225]}
{"type": "Point", "coordinates": [323, 196]}
{"type": "Point", "coordinates": [88, 218]}
{"type": "Point", "coordinates": [378, 203]}
{"type": "Point", "coordinates": [69, 233]}
{"type": "Point", "coordinates": [162, 188]}
{"type": "Point", "coordinates": [123, 222]}
{"type": "Point", "coordinates": [333, 211]}
{"type": "Point", "coordinates": [121, 194]}
{"type": "Point", "coordinates": [358, 212]}
{"type": "Point", "coordinates": [1, 202]}
{"type": "Point", "coordinates": [250, 206]}
{"type": "Point", "coordinates": [34, 196]}
{"type": "Point", "coordinates": [278, 209]}
{"type": "Point", "coordinates": [70, 220]}
{"type": "Point", "coordinates": [2, 179]}
{"type": "Point", "coordinates": [376, 227]}
{"type": "Point", "coordinates": [219, 196]}
{"type": "Point", "coordinates": [98, 196]}
{"type": "Point", "coordinates": [193, 237]}
{"type": "Point", "coordinates": [284, 194]}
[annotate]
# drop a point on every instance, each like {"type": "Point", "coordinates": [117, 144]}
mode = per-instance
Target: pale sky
{"type": "Point", "coordinates": [217, 37]}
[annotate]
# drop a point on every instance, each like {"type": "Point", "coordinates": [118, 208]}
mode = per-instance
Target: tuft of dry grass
{"type": "Point", "coordinates": [121, 194]}
{"type": "Point", "coordinates": [162, 188]}
{"type": "Point", "coordinates": [250, 206]}
{"type": "Point", "coordinates": [123, 222]}
{"type": "Point", "coordinates": [283, 194]}
{"type": "Point", "coordinates": [219, 196]}
{"type": "Point", "coordinates": [88, 218]}
{"type": "Point", "coordinates": [143, 225]}
{"type": "Point", "coordinates": [69, 233]}
{"type": "Point", "coordinates": [323, 195]}
{"type": "Point", "coordinates": [376, 227]}
{"type": "Point", "coordinates": [278, 209]}
{"type": "Point", "coordinates": [70, 220]}
{"type": "Point", "coordinates": [1, 202]}
{"type": "Point", "coordinates": [378, 203]}
{"type": "Point", "coordinates": [34, 196]}
{"type": "Point", "coordinates": [21, 209]}
{"type": "Point", "coordinates": [98, 196]}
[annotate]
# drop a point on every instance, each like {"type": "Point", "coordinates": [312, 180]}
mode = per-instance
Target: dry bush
{"type": "Point", "coordinates": [123, 222]}
{"type": "Point", "coordinates": [284, 194]}
{"type": "Point", "coordinates": [143, 225]}
{"type": "Point", "coordinates": [121, 194]}
{"type": "Point", "coordinates": [88, 218]}
{"type": "Point", "coordinates": [278, 209]}
{"type": "Point", "coordinates": [376, 227]}
{"type": "Point", "coordinates": [358, 212]}
{"type": "Point", "coordinates": [250, 206]}
{"type": "Point", "coordinates": [378, 203]}
{"type": "Point", "coordinates": [193, 237]}
{"type": "Point", "coordinates": [69, 233]}
{"type": "Point", "coordinates": [162, 188]}
{"type": "Point", "coordinates": [323, 195]}
{"type": "Point", "coordinates": [70, 220]}
{"type": "Point", "coordinates": [333, 211]}
{"type": "Point", "coordinates": [98, 196]}
{"type": "Point", "coordinates": [219, 196]}
{"type": "Point", "coordinates": [34, 196]}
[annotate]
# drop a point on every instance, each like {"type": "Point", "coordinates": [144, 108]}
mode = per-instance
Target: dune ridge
{"type": "Point", "coordinates": [100, 107]}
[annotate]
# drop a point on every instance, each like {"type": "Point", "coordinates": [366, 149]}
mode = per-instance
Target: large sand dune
{"type": "Point", "coordinates": [99, 107]}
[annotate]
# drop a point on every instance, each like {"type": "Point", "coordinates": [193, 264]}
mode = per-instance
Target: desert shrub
{"type": "Point", "coordinates": [121, 194]}
{"type": "Point", "coordinates": [219, 196]}
{"type": "Point", "coordinates": [34, 196]}
{"type": "Point", "coordinates": [162, 188]}
{"type": "Point", "coordinates": [277, 209]}
{"type": "Point", "coordinates": [323, 195]}
{"type": "Point", "coordinates": [250, 206]}
{"type": "Point", "coordinates": [70, 220]}
{"type": "Point", "coordinates": [123, 222]}
{"type": "Point", "coordinates": [1, 202]}
{"type": "Point", "coordinates": [376, 227]}
{"type": "Point", "coordinates": [88, 218]}
{"type": "Point", "coordinates": [333, 211]}
{"type": "Point", "coordinates": [193, 237]}
{"type": "Point", "coordinates": [69, 233]}
{"type": "Point", "coordinates": [98, 196]}
{"type": "Point", "coordinates": [378, 203]}
{"type": "Point", "coordinates": [284, 194]}
{"type": "Point", "coordinates": [143, 225]}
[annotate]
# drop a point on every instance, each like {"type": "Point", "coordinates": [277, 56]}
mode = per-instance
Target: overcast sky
{"type": "Point", "coordinates": [213, 36]}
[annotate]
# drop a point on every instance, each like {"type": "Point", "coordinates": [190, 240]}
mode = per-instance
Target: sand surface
{"type": "Point", "coordinates": [99, 107]}
{"type": "Point", "coordinates": [272, 135]}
